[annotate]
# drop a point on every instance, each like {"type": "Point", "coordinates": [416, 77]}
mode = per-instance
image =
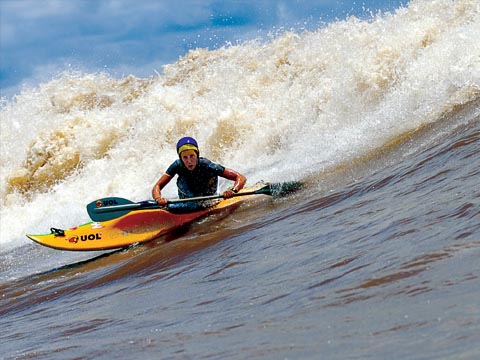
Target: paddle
{"type": "Point", "coordinates": [113, 207]}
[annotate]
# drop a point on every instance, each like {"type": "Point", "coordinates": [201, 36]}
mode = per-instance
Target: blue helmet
{"type": "Point", "coordinates": [187, 143]}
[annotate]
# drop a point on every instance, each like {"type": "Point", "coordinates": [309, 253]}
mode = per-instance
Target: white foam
{"type": "Point", "coordinates": [276, 111]}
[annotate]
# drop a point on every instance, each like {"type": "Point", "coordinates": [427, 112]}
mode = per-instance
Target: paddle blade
{"type": "Point", "coordinates": [111, 208]}
{"type": "Point", "coordinates": [279, 189]}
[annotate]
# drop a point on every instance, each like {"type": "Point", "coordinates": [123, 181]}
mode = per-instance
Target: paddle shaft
{"type": "Point", "coordinates": [152, 204]}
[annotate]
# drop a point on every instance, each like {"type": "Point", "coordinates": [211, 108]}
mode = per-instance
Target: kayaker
{"type": "Point", "coordinates": [197, 176]}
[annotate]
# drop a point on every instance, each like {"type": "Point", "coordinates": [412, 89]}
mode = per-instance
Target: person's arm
{"type": "Point", "coordinates": [157, 189]}
{"type": "Point", "coordinates": [238, 179]}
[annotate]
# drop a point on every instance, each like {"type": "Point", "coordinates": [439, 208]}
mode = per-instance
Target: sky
{"type": "Point", "coordinates": [39, 39]}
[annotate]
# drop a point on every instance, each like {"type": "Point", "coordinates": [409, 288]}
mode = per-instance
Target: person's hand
{"type": "Point", "coordinates": [161, 201]}
{"type": "Point", "coordinates": [227, 194]}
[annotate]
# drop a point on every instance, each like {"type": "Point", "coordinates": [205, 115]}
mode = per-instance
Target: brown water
{"type": "Point", "coordinates": [377, 257]}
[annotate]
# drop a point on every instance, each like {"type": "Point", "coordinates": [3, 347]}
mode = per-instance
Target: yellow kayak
{"type": "Point", "coordinates": [123, 225]}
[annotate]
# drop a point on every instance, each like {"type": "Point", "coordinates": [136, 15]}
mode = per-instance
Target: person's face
{"type": "Point", "coordinates": [189, 159]}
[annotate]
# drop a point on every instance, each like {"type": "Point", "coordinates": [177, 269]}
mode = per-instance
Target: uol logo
{"type": "Point", "coordinates": [106, 202]}
{"type": "Point", "coordinates": [74, 239]}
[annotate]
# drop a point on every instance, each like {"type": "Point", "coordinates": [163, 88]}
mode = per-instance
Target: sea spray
{"type": "Point", "coordinates": [296, 106]}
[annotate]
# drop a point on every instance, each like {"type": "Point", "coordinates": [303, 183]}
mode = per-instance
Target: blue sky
{"type": "Point", "coordinates": [41, 38]}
